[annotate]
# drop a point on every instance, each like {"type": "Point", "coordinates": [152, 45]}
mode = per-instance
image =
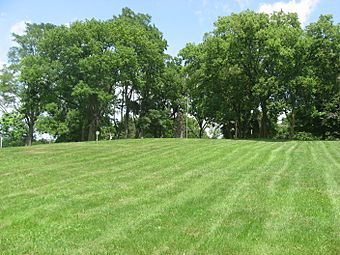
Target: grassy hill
{"type": "Point", "coordinates": [171, 197]}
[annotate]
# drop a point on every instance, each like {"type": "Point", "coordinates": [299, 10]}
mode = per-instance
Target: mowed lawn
{"type": "Point", "coordinates": [171, 196]}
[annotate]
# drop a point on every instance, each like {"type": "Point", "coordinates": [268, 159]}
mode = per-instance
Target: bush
{"type": "Point", "coordinates": [305, 136]}
{"type": "Point", "coordinates": [41, 141]}
{"type": "Point", "coordinates": [282, 132]}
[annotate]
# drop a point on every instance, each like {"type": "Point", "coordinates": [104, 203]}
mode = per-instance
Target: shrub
{"type": "Point", "coordinates": [305, 136]}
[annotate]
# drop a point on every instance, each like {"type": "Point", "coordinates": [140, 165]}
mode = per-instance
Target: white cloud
{"type": "Point", "coordinates": [220, 5]}
{"type": "Point", "coordinates": [19, 27]}
{"type": "Point", "coordinates": [210, 9]}
{"type": "Point", "coordinates": [303, 8]}
{"type": "Point", "coordinates": [243, 3]}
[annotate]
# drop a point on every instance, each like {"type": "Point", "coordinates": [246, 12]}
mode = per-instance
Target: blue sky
{"type": "Point", "coordinates": [181, 21]}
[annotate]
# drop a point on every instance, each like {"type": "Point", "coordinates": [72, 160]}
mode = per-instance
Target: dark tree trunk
{"type": "Point", "coordinates": [236, 129]}
{"type": "Point", "coordinates": [120, 129]}
{"type": "Point", "coordinates": [83, 130]}
{"type": "Point", "coordinates": [93, 118]}
{"type": "Point", "coordinates": [179, 126]}
{"type": "Point", "coordinates": [292, 125]}
{"type": "Point", "coordinates": [202, 127]}
{"type": "Point", "coordinates": [92, 131]}
{"type": "Point", "coordinates": [127, 112]}
{"type": "Point", "coordinates": [30, 133]}
{"type": "Point", "coordinates": [264, 121]}
{"type": "Point", "coordinates": [94, 127]}
{"type": "Point", "coordinates": [30, 122]}
{"type": "Point", "coordinates": [226, 131]}
{"type": "Point", "coordinates": [201, 132]}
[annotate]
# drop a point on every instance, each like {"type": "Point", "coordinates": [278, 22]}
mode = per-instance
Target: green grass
{"type": "Point", "coordinates": [171, 197]}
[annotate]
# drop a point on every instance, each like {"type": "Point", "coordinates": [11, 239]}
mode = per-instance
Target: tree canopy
{"type": "Point", "coordinates": [114, 76]}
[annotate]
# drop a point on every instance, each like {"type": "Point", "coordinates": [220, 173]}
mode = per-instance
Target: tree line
{"type": "Point", "coordinates": [114, 76]}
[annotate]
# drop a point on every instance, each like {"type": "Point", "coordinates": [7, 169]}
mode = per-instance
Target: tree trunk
{"type": "Point", "coordinates": [264, 121]}
{"type": "Point", "coordinates": [201, 133]}
{"type": "Point", "coordinates": [120, 127]}
{"type": "Point", "coordinates": [93, 118]}
{"type": "Point", "coordinates": [92, 131]}
{"type": "Point", "coordinates": [202, 127]}
{"type": "Point", "coordinates": [292, 125]}
{"type": "Point", "coordinates": [94, 125]}
{"type": "Point", "coordinates": [226, 131]}
{"type": "Point", "coordinates": [30, 133]}
{"type": "Point", "coordinates": [127, 112]}
{"type": "Point", "coordinates": [83, 130]}
{"type": "Point", "coordinates": [236, 129]}
{"type": "Point", "coordinates": [179, 126]}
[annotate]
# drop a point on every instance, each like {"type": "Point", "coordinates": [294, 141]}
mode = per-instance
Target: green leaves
{"type": "Point", "coordinates": [114, 74]}
{"type": "Point", "coordinates": [253, 67]}
{"type": "Point", "coordinates": [12, 129]}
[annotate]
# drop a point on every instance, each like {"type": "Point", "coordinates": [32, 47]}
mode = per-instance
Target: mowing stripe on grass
{"type": "Point", "coordinates": [171, 196]}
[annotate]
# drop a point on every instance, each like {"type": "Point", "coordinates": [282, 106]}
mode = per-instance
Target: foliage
{"type": "Point", "coordinates": [254, 67]}
{"type": "Point", "coordinates": [12, 129]}
{"type": "Point", "coordinates": [114, 76]}
{"type": "Point", "coordinates": [282, 131]}
{"type": "Point", "coordinates": [305, 136]}
{"type": "Point", "coordinates": [26, 82]}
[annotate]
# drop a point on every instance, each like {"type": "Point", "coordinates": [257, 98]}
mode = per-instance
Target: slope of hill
{"type": "Point", "coordinates": [171, 197]}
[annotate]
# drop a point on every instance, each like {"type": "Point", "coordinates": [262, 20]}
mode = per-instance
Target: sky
{"type": "Point", "coordinates": [180, 21]}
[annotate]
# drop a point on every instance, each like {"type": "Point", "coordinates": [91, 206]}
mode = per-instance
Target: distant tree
{"type": "Point", "coordinates": [114, 76]}
{"type": "Point", "coordinates": [109, 72]}
{"type": "Point", "coordinates": [26, 81]}
{"type": "Point", "coordinates": [197, 99]}
{"type": "Point", "coordinates": [285, 65]}
{"type": "Point", "coordinates": [173, 97]}
{"type": "Point", "coordinates": [323, 57]}
{"type": "Point", "coordinates": [87, 67]}
{"type": "Point", "coordinates": [8, 90]}
{"type": "Point", "coordinates": [12, 129]}
{"type": "Point", "coordinates": [225, 69]}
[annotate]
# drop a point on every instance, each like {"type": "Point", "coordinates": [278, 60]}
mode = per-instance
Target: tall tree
{"type": "Point", "coordinates": [108, 69]}
{"type": "Point", "coordinates": [287, 74]}
{"type": "Point", "coordinates": [323, 57]}
{"type": "Point", "coordinates": [142, 68]}
{"type": "Point", "coordinates": [30, 72]}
